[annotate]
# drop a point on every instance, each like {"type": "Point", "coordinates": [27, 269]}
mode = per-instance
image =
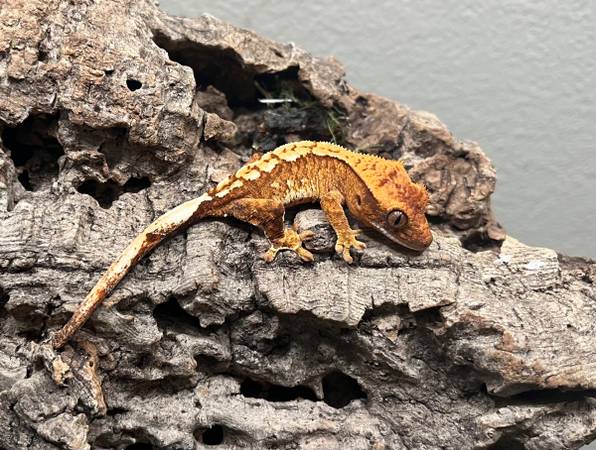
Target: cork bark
{"type": "Point", "coordinates": [111, 113]}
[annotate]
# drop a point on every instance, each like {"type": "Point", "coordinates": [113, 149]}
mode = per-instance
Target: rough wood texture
{"type": "Point", "coordinates": [110, 113]}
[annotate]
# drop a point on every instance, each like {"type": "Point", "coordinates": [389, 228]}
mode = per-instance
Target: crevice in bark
{"type": "Point", "coordinates": [115, 411]}
{"type": "Point", "coordinates": [479, 241]}
{"type": "Point", "coordinates": [507, 442]}
{"type": "Point", "coordinates": [428, 316]}
{"type": "Point", "coordinates": [340, 389]}
{"type": "Point", "coordinates": [221, 68]}
{"type": "Point", "coordinates": [141, 446]}
{"type": "Point", "coordinates": [108, 192]}
{"type": "Point", "coordinates": [545, 396]}
{"type": "Point", "coordinates": [171, 313]}
{"type": "Point", "coordinates": [299, 113]}
{"type": "Point", "coordinates": [34, 151]}
{"type": "Point", "coordinates": [211, 436]}
{"type": "Point", "coordinates": [4, 297]}
{"type": "Point", "coordinates": [211, 365]}
{"type": "Point", "coordinates": [275, 392]}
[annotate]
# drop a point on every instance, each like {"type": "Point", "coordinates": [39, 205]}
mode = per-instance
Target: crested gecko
{"type": "Point", "coordinates": [377, 192]}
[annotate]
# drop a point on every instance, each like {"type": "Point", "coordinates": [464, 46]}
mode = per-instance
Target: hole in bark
{"type": "Point", "coordinates": [430, 317]}
{"type": "Point", "coordinates": [507, 442]}
{"type": "Point", "coordinates": [136, 184]}
{"type": "Point", "coordinates": [211, 365]}
{"type": "Point", "coordinates": [170, 312]}
{"type": "Point", "coordinates": [34, 151]}
{"type": "Point", "coordinates": [32, 335]}
{"type": "Point", "coordinates": [340, 389]}
{"type": "Point", "coordinates": [435, 220]}
{"type": "Point", "coordinates": [281, 344]}
{"type": "Point", "coordinates": [4, 297]}
{"type": "Point", "coordinates": [24, 180]}
{"type": "Point", "coordinates": [108, 192]}
{"type": "Point", "coordinates": [283, 85]}
{"type": "Point", "coordinates": [42, 55]}
{"type": "Point", "coordinates": [540, 396]}
{"type": "Point", "coordinates": [274, 392]}
{"type": "Point", "coordinates": [115, 411]}
{"type": "Point", "coordinates": [133, 85]}
{"type": "Point", "coordinates": [478, 241]}
{"type": "Point", "coordinates": [213, 435]}
{"type": "Point", "coordinates": [212, 66]}
{"type": "Point", "coordinates": [225, 70]}
{"type": "Point", "coordinates": [140, 446]}
{"type": "Point", "coordinates": [145, 360]}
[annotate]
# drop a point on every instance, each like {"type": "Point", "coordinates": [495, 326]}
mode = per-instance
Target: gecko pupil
{"type": "Point", "coordinates": [397, 218]}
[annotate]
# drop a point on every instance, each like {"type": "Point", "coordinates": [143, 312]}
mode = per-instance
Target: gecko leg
{"type": "Point", "coordinates": [332, 204]}
{"type": "Point", "coordinates": [268, 215]}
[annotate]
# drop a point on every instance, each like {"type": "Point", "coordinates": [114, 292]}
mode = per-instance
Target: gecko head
{"type": "Point", "coordinates": [393, 205]}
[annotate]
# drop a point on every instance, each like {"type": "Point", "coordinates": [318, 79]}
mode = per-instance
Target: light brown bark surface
{"type": "Point", "coordinates": [112, 112]}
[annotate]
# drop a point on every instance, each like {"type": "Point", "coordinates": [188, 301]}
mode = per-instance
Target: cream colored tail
{"type": "Point", "coordinates": [163, 227]}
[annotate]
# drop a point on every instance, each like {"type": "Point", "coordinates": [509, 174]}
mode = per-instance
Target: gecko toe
{"type": "Point", "coordinates": [358, 245]}
{"type": "Point", "coordinates": [304, 254]}
{"type": "Point", "coordinates": [306, 235]}
{"type": "Point", "coordinates": [346, 256]}
{"type": "Point", "coordinates": [269, 255]}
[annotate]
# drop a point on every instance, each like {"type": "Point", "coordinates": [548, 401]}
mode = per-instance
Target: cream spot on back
{"type": "Point", "coordinates": [292, 154]}
{"type": "Point", "coordinates": [331, 150]}
{"type": "Point", "coordinates": [252, 175]}
{"type": "Point", "coordinates": [303, 150]}
{"type": "Point", "coordinates": [321, 151]}
{"type": "Point", "coordinates": [275, 185]}
{"type": "Point", "coordinates": [223, 183]}
{"type": "Point", "coordinates": [244, 170]}
{"type": "Point", "coordinates": [236, 184]}
{"type": "Point", "coordinates": [289, 156]}
{"type": "Point", "coordinates": [268, 166]}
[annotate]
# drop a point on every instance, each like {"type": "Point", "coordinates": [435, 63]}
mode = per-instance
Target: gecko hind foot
{"type": "Point", "coordinates": [290, 241]}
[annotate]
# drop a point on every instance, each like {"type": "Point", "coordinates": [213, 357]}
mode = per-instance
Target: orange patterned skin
{"type": "Point", "coordinates": [377, 192]}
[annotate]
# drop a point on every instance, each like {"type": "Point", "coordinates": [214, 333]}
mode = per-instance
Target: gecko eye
{"type": "Point", "coordinates": [397, 218]}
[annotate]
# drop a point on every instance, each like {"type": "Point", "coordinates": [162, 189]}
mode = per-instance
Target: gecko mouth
{"type": "Point", "coordinates": [397, 240]}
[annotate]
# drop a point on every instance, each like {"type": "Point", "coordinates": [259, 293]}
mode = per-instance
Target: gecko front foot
{"type": "Point", "coordinates": [290, 241]}
{"type": "Point", "coordinates": [345, 242]}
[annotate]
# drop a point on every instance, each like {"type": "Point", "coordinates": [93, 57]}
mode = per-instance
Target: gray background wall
{"type": "Point", "coordinates": [518, 77]}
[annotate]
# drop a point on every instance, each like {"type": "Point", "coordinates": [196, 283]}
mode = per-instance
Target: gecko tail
{"type": "Point", "coordinates": [163, 227]}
